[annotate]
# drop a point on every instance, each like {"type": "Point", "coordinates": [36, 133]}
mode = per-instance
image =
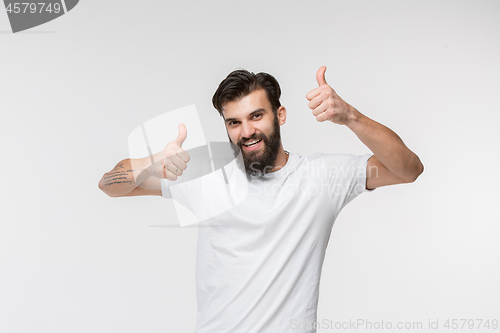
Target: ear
{"type": "Point", "coordinates": [281, 113]}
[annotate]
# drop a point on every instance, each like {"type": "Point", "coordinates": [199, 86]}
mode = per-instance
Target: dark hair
{"type": "Point", "coordinates": [240, 83]}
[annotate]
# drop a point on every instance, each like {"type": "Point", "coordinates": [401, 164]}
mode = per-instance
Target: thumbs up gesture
{"type": "Point", "coordinates": [173, 158]}
{"type": "Point", "coordinates": [326, 104]}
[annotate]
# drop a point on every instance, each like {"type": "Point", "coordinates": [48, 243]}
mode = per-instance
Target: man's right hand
{"type": "Point", "coordinates": [173, 158]}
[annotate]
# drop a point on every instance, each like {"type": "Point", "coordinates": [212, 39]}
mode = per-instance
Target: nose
{"type": "Point", "coordinates": [247, 130]}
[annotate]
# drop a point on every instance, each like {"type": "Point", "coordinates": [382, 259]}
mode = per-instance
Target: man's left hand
{"type": "Point", "coordinates": [326, 104]}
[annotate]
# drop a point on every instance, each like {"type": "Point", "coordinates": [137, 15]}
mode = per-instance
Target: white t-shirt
{"type": "Point", "coordinates": [259, 264]}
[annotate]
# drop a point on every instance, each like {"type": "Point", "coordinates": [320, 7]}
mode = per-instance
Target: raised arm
{"type": "Point", "coordinates": [132, 177]}
{"type": "Point", "coordinates": [393, 163]}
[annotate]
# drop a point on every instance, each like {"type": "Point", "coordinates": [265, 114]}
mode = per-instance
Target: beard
{"type": "Point", "coordinates": [258, 163]}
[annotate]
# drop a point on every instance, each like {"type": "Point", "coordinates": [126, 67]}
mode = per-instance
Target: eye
{"type": "Point", "coordinates": [232, 122]}
{"type": "Point", "coordinates": [257, 115]}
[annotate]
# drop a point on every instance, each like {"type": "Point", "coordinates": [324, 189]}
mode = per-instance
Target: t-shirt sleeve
{"type": "Point", "coordinates": [165, 190]}
{"type": "Point", "coordinates": [349, 177]}
{"type": "Point", "coordinates": [357, 165]}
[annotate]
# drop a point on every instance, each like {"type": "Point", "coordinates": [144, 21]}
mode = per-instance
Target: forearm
{"type": "Point", "coordinates": [125, 176]}
{"type": "Point", "coordinates": [386, 145]}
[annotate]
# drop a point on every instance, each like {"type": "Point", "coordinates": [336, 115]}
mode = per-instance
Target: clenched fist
{"type": "Point", "coordinates": [173, 158]}
{"type": "Point", "coordinates": [326, 104]}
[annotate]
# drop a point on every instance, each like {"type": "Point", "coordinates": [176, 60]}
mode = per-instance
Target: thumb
{"type": "Point", "coordinates": [182, 135]}
{"type": "Point", "coordinates": [320, 76]}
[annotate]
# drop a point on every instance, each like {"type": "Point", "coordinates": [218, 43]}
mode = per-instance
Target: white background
{"type": "Point", "coordinates": [71, 91]}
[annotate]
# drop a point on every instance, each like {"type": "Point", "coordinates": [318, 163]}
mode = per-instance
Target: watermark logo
{"type": "Point", "coordinates": [25, 15]}
{"type": "Point", "coordinates": [214, 180]}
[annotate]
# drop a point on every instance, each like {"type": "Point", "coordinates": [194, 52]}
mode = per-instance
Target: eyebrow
{"type": "Point", "coordinates": [251, 114]}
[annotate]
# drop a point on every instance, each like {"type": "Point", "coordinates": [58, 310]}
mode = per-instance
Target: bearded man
{"type": "Point", "coordinates": [259, 270]}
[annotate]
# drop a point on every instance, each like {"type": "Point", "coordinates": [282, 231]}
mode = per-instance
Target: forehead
{"type": "Point", "coordinates": [257, 99]}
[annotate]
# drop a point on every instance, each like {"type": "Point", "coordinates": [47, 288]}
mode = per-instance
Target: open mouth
{"type": "Point", "coordinates": [252, 143]}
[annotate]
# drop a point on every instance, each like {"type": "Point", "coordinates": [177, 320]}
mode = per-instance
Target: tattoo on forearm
{"type": "Point", "coordinates": [122, 182]}
{"type": "Point", "coordinates": [118, 176]}
{"type": "Point", "coordinates": [118, 166]}
{"type": "Point", "coordinates": [114, 178]}
{"type": "Point", "coordinates": [112, 173]}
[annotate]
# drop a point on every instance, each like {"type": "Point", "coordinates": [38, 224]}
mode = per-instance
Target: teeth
{"type": "Point", "coordinates": [251, 143]}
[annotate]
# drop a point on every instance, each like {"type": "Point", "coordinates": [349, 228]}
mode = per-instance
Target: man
{"type": "Point", "coordinates": [259, 269]}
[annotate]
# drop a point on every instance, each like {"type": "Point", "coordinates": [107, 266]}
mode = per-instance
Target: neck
{"type": "Point", "coordinates": [281, 159]}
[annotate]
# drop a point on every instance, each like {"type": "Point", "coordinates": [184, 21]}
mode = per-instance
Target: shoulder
{"type": "Point", "coordinates": [348, 164]}
{"type": "Point", "coordinates": [340, 166]}
{"type": "Point", "coordinates": [338, 160]}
